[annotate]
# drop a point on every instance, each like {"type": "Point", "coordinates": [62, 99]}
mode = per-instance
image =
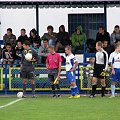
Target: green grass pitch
{"type": "Point", "coordinates": [46, 108]}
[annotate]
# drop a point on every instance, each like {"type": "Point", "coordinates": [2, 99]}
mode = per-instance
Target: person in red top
{"type": "Point", "coordinates": [53, 65]}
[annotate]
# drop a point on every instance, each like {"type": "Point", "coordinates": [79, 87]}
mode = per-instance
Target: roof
{"type": "Point", "coordinates": [58, 3]}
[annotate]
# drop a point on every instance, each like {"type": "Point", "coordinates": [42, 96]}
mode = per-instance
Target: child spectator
{"type": "Point", "coordinates": [35, 46]}
{"type": "Point", "coordinates": [8, 55]}
{"type": "Point", "coordinates": [89, 71]}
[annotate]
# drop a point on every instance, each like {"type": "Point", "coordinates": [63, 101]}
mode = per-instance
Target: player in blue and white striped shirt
{"type": "Point", "coordinates": [71, 65]}
{"type": "Point", "coordinates": [114, 61]}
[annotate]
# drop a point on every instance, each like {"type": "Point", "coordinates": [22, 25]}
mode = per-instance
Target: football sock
{"type": "Point", "coordinates": [103, 91]}
{"type": "Point", "coordinates": [53, 89]}
{"type": "Point", "coordinates": [76, 90]}
{"type": "Point", "coordinates": [94, 89]}
{"type": "Point", "coordinates": [33, 89]}
{"type": "Point", "coordinates": [24, 89]}
{"type": "Point", "coordinates": [113, 90]}
{"type": "Point", "coordinates": [58, 88]}
{"type": "Point", "coordinates": [72, 91]}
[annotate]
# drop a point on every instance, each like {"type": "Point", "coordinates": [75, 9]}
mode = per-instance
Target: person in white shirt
{"type": "Point", "coordinates": [114, 61]}
{"type": "Point", "coordinates": [71, 65]}
{"type": "Point", "coordinates": [100, 65]}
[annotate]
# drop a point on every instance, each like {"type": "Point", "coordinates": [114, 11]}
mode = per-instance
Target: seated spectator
{"type": "Point", "coordinates": [35, 46]}
{"type": "Point", "coordinates": [8, 55]}
{"type": "Point", "coordinates": [51, 36]}
{"type": "Point", "coordinates": [10, 38]}
{"type": "Point", "coordinates": [62, 39]}
{"type": "Point", "coordinates": [43, 51]}
{"type": "Point", "coordinates": [23, 36]}
{"type": "Point", "coordinates": [18, 53]}
{"type": "Point", "coordinates": [108, 48]}
{"type": "Point", "coordinates": [34, 37]}
{"type": "Point", "coordinates": [78, 38]}
{"type": "Point", "coordinates": [102, 35]}
{"type": "Point", "coordinates": [115, 36]}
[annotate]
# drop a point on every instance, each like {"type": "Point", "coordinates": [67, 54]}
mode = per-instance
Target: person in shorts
{"type": "Point", "coordinates": [27, 67]}
{"type": "Point", "coordinates": [53, 65]}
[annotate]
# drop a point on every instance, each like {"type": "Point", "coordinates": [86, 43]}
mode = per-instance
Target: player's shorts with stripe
{"type": "Point", "coordinates": [70, 76]}
{"type": "Point", "coordinates": [116, 76]}
{"type": "Point", "coordinates": [98, 69]}
{"type": "Point", "coordinates": [52, 74]}
{"type": "Point", "coordinates": [27, 72]}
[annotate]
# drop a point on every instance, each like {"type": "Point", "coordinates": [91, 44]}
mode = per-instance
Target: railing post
{"type": "Point", "coordinates": [78, 80]}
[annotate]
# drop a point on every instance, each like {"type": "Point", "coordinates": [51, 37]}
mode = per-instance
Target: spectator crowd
{"type": "Point", "coordinates": [12, 51]}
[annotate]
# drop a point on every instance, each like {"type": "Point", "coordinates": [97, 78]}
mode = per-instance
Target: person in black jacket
{"type": "Point", "coordinates": [23, 37]}
{"type": "Point", "coordinates": [102, 35]}
{"type": "Point", "coordinates": [34, 37]}
{"type": "Point", "coordinates": [63, 39]}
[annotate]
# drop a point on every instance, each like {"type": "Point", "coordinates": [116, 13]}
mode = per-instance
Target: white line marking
{"type": "Point", "coordinates": [10, 103]}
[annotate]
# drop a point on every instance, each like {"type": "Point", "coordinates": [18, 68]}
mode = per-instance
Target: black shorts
{"type": "Point", "coordinates": [98, 69]}
{"type": "Point", "coordinates": [52, 74]}
{"type": "Point", "coordinates": [27, 72]}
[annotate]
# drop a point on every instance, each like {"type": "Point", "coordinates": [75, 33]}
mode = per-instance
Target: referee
{"type": "Point", "coordinates": [53, 65]}
{"type": "Point", "coordinates": [100, 65]}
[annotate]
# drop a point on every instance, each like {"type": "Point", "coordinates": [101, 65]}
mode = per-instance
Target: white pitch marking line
{"type": "Point", "coordinates": [10, 103]}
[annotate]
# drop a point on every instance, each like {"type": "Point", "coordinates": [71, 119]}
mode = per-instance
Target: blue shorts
{"type": "Point", "coordinates": [70, 76]}
{"type": "Point", "coordinates": [116, 76]}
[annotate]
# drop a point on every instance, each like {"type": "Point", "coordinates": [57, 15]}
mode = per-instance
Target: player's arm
{"type": "Point", "coordinates": [59, 69]}
{"type": "Point", "coordinates": [75, 66]}
{"type": "Point", "coordinates": [106, 61]}
{"type": "Point", "coordinates": [47, 63]}
{"type": "Point", "coordinates": [111, 63]}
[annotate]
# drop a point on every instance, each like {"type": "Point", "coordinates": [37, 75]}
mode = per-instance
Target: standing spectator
{"type": "Point", "coordinates": [34, 37]}
{"type": "Point", "coordinates": [78, 38]}
{"type": "Point", "coordinates": [53, 65]}
{"type": "Point", "coordinates": [43, 51]}
{"type": "Point", "coordinates": [23, 37]}
{"type": "Point", "coordinates": [10, 38]}
{"type": "Point", "coordinates": [102, 35]}
{"type": "Point", "coordinates": [115, 36]}
{"type": "Point", "coordinates": [19, 49]}
{"type": "Point", "coordinates": [62, 39]}
{"type": "Point", "coordinates": [8, 55]}
{"type": "Point", "coordinates": [51, 36]}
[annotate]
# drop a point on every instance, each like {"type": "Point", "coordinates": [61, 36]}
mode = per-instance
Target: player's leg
{"type": "Point", "coordinates": [113, 83]}
{"type": "Point", "coordinates": [24, 78]}
{"type": "Point", "coordinates": [30, 76]}
{"type": "Point", "coordinates": [103, 84]}
{"type": "Point", "coordinates": [51, 79]}
{"type": "Point", "coordinates": [57, 85]}
{"type": "Point", "coordinates": [73, 86]}
{"type": "Point", "coordinates": [94, 86]}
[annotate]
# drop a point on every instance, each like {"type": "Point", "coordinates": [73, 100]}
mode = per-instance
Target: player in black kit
{"type": "Point", "coordinates": [100, 65]}
{"type": "Point", "coordinates": [27, 67]}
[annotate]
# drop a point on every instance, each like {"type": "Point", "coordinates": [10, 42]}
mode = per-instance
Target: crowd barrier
{"type": "Point", "coordinates": [10, 80]}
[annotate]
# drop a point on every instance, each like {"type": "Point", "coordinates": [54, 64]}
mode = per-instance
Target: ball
{"type": "Point", "coordinates": [19, 94]}
{"type": "Point", "coordinates": [28, 56]}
